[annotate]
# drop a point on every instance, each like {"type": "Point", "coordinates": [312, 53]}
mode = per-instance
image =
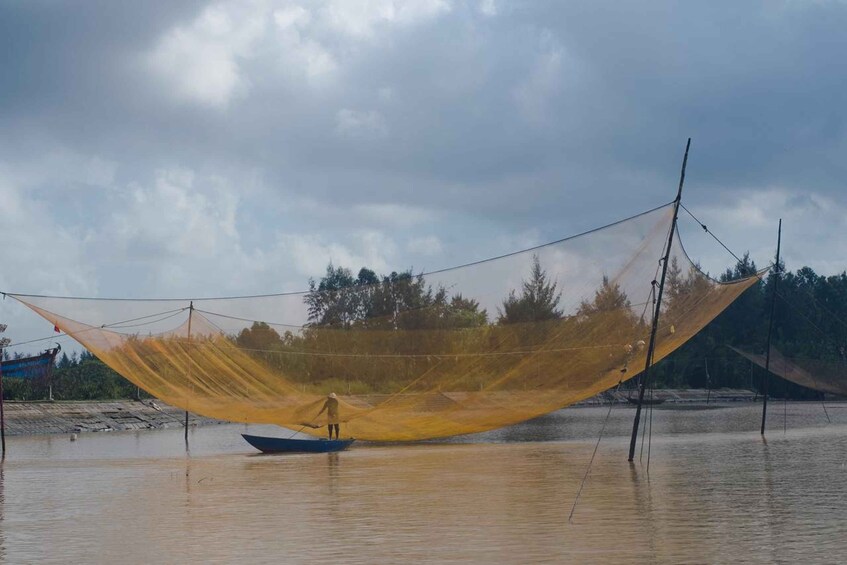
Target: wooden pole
{"type": "Point", "coordinates": [651, 347]}
{"type": "Point", "coordinates": [190, 314]}
{"type": "Point", "coordinates": [2, 415]}
{"type": "Point", "coordinates": [770, 330]}
{"type": "Point", "coordinates": [708, 382]}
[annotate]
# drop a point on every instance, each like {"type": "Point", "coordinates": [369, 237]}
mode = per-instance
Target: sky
{"type": "Point", "coordinates": [161, 149]}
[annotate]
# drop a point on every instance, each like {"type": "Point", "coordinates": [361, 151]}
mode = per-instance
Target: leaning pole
{"type": "Point", "coordinates": [645, 376]}
{"type": "Point", "coordinates": [770, 330]}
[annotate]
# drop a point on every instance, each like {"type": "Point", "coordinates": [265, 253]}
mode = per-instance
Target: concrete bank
{"type": "Point", "coordinates": [64, 417]}
{"type": "Point", "coordinates": [675, 396]}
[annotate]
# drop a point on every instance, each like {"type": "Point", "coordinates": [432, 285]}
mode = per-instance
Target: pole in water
{"type": "Point", "coordinates": [3, 343]}
{"type": "Point", "coordinates": [2, 416]}
{"type": "Point", "coordinates": [708, 382]}
{"type": "Point", "coordinates": [770, 331]}
{"type": "Point", "coordinates": [190, 313]}
{"type": "Point", "coordinates": [645, 376]}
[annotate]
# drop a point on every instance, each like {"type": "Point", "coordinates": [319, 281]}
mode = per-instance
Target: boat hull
{"type": "Point", "coordinates": [284, 445]}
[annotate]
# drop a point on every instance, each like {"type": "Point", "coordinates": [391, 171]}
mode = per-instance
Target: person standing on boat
{"type": "Point", "coordinates": [331, 407]}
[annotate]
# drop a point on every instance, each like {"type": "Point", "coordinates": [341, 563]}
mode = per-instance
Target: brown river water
{"type": "Point", "coordinates": [715, 492]}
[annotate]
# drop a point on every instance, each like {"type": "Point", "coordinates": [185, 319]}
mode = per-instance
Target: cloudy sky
{"type": "Point", "coordinates": [214, 148]}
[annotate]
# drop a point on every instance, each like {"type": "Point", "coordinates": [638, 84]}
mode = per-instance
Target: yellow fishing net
{"type": "Point", "coordinates": [817, 374]}
{"type": "Point", "coordinates": [412, 357]}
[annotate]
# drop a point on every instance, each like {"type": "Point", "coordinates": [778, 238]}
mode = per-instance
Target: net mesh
{"type": "Point", "coordinates": [451, 352]}
{"type": "Point", "coordinates": [816, 374]}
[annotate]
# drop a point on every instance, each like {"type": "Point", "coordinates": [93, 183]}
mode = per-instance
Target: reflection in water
{"type": "Point", "coordinates": [2, 510]}
{"type": "Point", "coordinates": [769, 507]}
{"type": "Point", "coordinates": [332, 467]}
{"type": "Point", "coordinates": [715, 493]}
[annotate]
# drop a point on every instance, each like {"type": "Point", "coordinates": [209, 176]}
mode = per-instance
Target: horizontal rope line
{"type": "Point", "coordinates": [303, 292]}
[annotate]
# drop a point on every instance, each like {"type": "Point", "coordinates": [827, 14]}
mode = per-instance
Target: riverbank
{"type": "Point", "coordinates": [67, 417]}
{"type": "Point", "coordinates": [672, 396]}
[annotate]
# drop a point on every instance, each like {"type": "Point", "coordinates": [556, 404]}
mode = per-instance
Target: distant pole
{"type": "Point", "coordinates": [708, 382]}
{"type": "Point", "coordinates": [3, 343]}
{"type": "Point", "coordinates": [770, 330]}
{"type": "Point", "coordinates": [645, 377]}
{"type": "Point", "coordinates": [190, 313]}
{"type": "Point", "coordinates": [2, 416]}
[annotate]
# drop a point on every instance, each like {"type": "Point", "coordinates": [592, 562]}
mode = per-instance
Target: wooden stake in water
{"type": "Point", "coordinates": [645, 376]}
{"type": "Point", "coordinates": [2, 416]}
{"type": "Point", "coordinates": [3, 343]}
{"type": "Point", "coordinates": [770, 330]}
{"type": "Point", "coordinates": [190, 313]}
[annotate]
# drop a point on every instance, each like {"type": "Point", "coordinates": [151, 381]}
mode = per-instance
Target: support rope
{"type": "Point", "coordinates": [706, 229]}
{"type": "Point", "coordinates": [594, 453]}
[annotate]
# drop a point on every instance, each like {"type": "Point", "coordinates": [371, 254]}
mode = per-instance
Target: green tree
{"type": "Point", "coordinates": [338, 299]}
{"type": "Point", "coordinates": [608, 298]}
{"type": "Point", "coordinates": [538, 301]}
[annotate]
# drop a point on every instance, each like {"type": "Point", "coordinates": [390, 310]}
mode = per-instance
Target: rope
{"type": "Point", "coordinates": [706, 229]}
{"type": "Point", "coordinates": [219, 315]}
{"type": "Point", "coordinates": [104, 326]}
{"type": "Point", "coordinates": [302, 292]}
{"type": "Point", "coordinates": [594, 453]}
{"type": "Point", "coordinates": [424, 355]}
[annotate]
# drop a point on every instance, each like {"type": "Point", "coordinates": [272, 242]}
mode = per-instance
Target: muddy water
{"type": "Point", "coordinates": [715, 493]}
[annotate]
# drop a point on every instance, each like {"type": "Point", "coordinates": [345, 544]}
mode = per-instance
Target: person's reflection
{"type": "Point", "coordinates": [333, 470]}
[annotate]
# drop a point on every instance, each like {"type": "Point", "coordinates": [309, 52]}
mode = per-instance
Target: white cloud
{"type": "Point", "coordinates": [385, 94]}
{"type": "Point", "coordinates": [536, 93]}
{"type": "Point", "coordinates": [296, 47]}
{"type": "Point", "coordinates": [177, 218]}
{"type": "Point", "coordinates": [204, 61]}
{"type": "Point", "coordinates": [200, 61]}
{"type": "Point", "coordinates": [395, 215]}
{"type": "Point", "coordinates": [310, 254]}
{"type": "Point", "coordinates": [61, 168]}
{"type": "Point", "coordinates": [488, 8]}
{"type": "Point", "coordinates": [292, 16]}
{"type": "Point", "coordinates": [428, 245]}
{"type": "Point", "coordinates": [39, 255]}
{"type": "Point", "coordinates": [360, 124]}
{"type": "Point", "coordinates": [362, 18]}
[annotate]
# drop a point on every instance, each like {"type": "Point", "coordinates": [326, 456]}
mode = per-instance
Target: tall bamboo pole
{"type": "Point", "coordinates": [645, 376]}
{"type": "Point", "coordinates": [770, 330]}
{"type": "Point", "coordinates": [190, 315]}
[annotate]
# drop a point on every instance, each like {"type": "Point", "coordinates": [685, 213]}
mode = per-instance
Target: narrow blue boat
{"type": "Point", "coordinates": [285, 445]}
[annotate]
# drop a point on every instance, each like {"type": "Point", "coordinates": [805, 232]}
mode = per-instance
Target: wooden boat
{"type": "Point", "coordinates": [286, 445]}
{"type": "Point", "coordinates": [36, 367]}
